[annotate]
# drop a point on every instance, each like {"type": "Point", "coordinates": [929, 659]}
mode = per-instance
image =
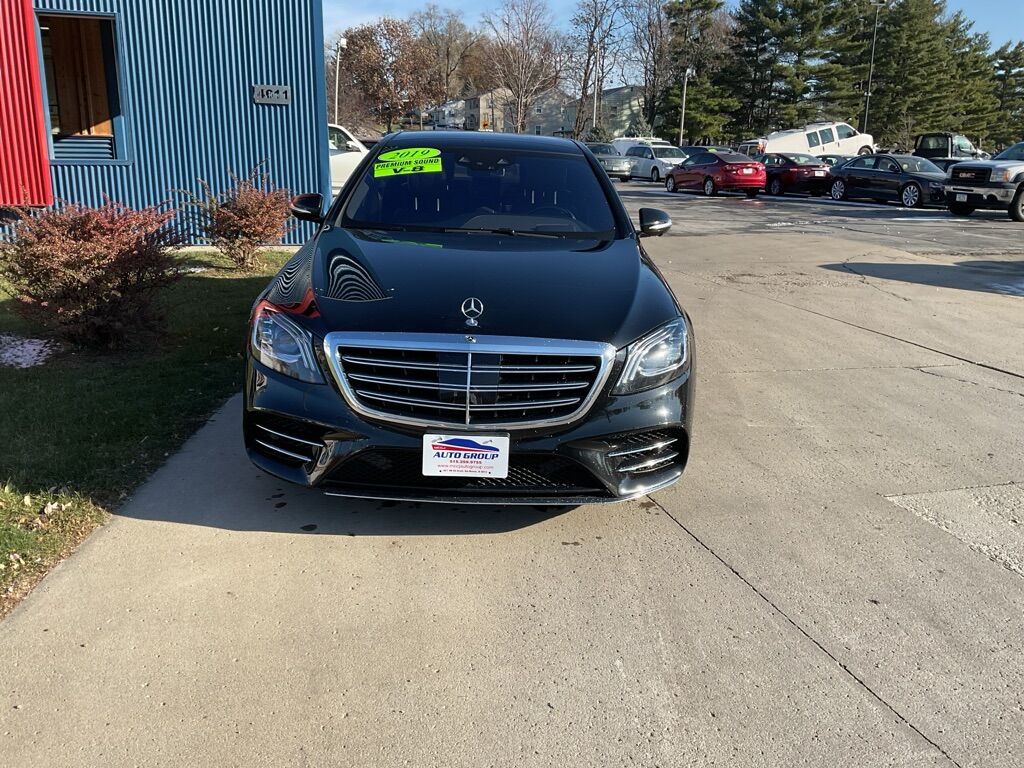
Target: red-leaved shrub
{"type": "Point", "coordinates": [248, 215]}
{"type": "Point", "coordinates": [91, 274]}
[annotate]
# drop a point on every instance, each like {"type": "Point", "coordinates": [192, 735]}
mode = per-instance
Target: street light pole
{"type": "Point", "coordinates": [342, 43]}
{"type": "Point", "coordinates": [682, 112]}
{"type": "Point", "coordinates": [871, 67]}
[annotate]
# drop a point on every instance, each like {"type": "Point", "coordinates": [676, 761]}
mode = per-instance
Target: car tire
{"type": "Point", "coordinates": [865, 151]}
{"type": "Point", "coordinates": [838, 190]}
{"type": "Point", "coordinates": [655, 176]}
{"type": "Point", "coordinates": [710, 190]}
{"type": "Point", "coordinates": [1016, 211]}
{"type": "Point", "coordinates": [775, 186]}
{"type": "Point", "coordinates": [752, 193]}
{"type": "Point", "coordinates": [961, 209]}
{"type": "Point", "coordinates": [670, 183]}
{"type": "Point", "coordinates": [911, 195]}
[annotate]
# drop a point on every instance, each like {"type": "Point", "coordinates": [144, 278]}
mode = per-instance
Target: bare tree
{"type": "Point", "coordinates": [648, 55]}
{"type": "Point", "coordinates": [451, 43]}
{"type": "Point", "coordinates": [389, 66]}
{"type": "Point", "coordinates": [594, 43]}
{"type": "Point", "coordinates": [527, 54]}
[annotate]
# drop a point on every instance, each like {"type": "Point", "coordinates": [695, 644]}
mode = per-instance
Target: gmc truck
{"type": "Point", "coordinates": [996, 184]}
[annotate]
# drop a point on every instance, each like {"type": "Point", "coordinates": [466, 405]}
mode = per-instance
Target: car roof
{"type": "Point", "coordinates": [444, 139]}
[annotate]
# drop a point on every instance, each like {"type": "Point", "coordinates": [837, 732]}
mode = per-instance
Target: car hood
{"type": "Point", "coordinates": [392, 282]}
{"type": "Point", "coordinates": [1005, 165]}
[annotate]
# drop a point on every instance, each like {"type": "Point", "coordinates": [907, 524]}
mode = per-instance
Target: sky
{"type": "Point", "coordinates": [1002, 19]}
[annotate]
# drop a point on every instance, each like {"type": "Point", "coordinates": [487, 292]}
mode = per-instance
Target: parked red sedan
{"type": "Point", "coordinates": [796, 172]}
{"type": "Point", "coordinates": [714, 172]}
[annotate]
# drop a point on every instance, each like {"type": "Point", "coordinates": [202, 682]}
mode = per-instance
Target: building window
{"type": "Point", "coordinates": [536, 129]}
{"type": "Point", "coordinates": [540, 110]}
{"type": "Point", "coordinates": [81, 85]}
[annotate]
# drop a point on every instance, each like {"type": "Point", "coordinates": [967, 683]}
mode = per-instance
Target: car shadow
{"type": "Point", "coordinates": [1005, 278]}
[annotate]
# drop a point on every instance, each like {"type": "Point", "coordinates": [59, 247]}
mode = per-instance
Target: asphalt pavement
{"type": "Point", "coordinates": [837, 581]}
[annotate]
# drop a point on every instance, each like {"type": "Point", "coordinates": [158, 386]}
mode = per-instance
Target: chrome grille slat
{"type": "Point", "coordinates": [413, 383]}
{"type": "Point", "coordinates": [472, 382]}
{"type": "Point", "coordinates": [282, 451]}
{"type": "Point", "coordinates": [525, 405]}
{"type": "Point", "coordinates": [290, 437]}
{"type": "Point", "coordinates": [405, 364]}
{"type": "Point", "coordinates": [411, 401]}
{"type": "Point", "coordinates": [642, 449]}
{"type": "Point", "coordinates": [649, 465]}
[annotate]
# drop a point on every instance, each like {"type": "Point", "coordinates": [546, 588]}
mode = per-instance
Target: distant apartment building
{"type": "Point", "coordinates": [486, 111]}
{"type": "Point", "coordinates": [620, 109]}
{"type": "Point", "coordinates": [548, 114]}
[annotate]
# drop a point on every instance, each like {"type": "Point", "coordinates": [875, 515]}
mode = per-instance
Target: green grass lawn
{"type": "Point", "coordinates": [80, 432]}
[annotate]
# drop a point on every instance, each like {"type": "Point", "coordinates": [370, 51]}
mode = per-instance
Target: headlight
{"type": "Point", "coordinates": [655, 359]}
{"type": "Point", "coordinates": [281, 345]}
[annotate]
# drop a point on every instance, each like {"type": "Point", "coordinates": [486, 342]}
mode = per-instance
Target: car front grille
{"type": "Point", "coordinates": [436, 381]}
{"type": "Point", "coordinates": [973, 175]}
{"type": "Point", "coordinates": [398, 472]}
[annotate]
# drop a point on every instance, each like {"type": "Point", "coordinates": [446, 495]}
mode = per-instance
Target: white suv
{"type": "Point", "coordinates": [653, 161]}
{"type": "Point", "coordinates": [814, 139]}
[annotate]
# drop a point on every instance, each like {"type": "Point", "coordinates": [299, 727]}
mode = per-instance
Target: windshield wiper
{"type": "Point", "coordinates": [511, 232]}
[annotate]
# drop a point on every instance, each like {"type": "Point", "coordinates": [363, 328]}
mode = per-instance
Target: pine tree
{"type": "Point", "coordinates": [973, 99]}
{"type": "Point", "coordinates": [908, 97]}
{"type": "Point", "coordinates": [1009, 75]}
{"type": "Point", "coordinates": [846, 54]}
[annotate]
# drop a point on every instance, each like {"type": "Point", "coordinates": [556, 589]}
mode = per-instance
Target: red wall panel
{"type": "Point", "coordinates": [24, 161]}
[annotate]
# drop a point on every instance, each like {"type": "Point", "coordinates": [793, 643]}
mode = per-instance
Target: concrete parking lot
{"type": "Point", "coordinates": [837, 581]}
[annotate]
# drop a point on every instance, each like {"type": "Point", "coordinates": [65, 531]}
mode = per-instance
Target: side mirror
{"type": "Point", "coordinates": [351, 146]}
{"type": "Point", "coordinates": [308, 207]}
{"type": "Point", "coordinates": [654, 222]}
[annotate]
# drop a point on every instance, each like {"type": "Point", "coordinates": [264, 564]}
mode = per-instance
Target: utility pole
{"type": "Point", "coordinates": [871, 67]}
{"type": "Point", "coordinates": [597, 83]}
{"type": "Point", "coordinates": [342, 43]}
{"type": "Point", "coordinates": [682, 112]}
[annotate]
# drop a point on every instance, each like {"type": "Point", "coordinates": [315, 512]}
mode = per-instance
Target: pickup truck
{"type": "Point", "coordinates": [996, 184]}
{"type": "Point", "coordinates": [946, 145]}
{"type": "Point", "coordinates": [346, 152]}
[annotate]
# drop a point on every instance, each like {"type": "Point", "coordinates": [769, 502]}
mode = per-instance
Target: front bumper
{"type": "Point", "coordinates": [993, 195]}
{"type": "Point", "coordinates": [306, 434]}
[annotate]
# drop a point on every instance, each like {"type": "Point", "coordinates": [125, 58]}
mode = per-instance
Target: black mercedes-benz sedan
{"type": "Point", "coordinates": [475, 320]}
{"type": "Point", "coordinates": [912, 181]}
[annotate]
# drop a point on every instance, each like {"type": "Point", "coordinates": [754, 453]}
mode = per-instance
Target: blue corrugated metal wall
{"type": "Point", "coordinates": [186, 71]}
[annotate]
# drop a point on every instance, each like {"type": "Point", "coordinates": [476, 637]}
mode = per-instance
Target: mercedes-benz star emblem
{"type": "Point", "coordinates": [472, 308]}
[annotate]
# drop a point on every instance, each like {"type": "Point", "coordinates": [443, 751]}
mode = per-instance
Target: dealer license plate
{"type": "Point", "coordinates": [748, 170]}
{"type": "Point", "coordinates": [819, 173]}
{"type": "Point", "coordinates": [961, 198]}
{"type": "Point", "coordinates": [465, 456]}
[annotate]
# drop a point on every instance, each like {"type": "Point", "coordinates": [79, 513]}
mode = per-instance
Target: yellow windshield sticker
{"type": "Point", "coordinates": [399, 162]}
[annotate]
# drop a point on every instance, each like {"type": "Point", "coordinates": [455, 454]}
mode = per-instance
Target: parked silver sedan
{"type": "Point", "coordinates": [614, 164]}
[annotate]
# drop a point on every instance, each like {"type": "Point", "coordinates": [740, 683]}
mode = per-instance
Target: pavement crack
{"type": "Point", "coordinates": [864, 279]}
{"type": "Point", "coordinates": [926, 370]}
{"type": "Point", "coordinates": [814, 641]}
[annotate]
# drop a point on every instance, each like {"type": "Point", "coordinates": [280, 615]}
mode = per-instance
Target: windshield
{"type": "Point", "coordinates": [918, 165]}
{"type": "Point", "coordinates": [804, 159]}
{"type": "Point", "coordinates": [669, 152]}
{"type": "Point", "coordinates": [602, 149]}
{"type": "Point", "coordinates": [1016, 152]}
{"type": "Point", "coordinates": [480, 189]}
